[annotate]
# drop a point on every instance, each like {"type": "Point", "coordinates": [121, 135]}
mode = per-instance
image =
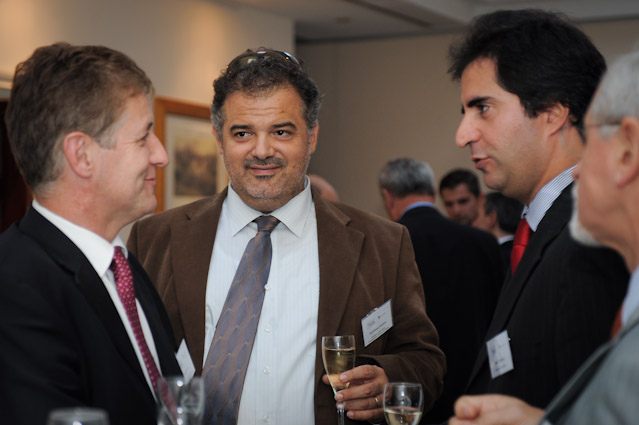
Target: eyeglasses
{"type": "Point", "coordinates": [261, 54]}
{"type": "Point", "coordinates": [575, 145]}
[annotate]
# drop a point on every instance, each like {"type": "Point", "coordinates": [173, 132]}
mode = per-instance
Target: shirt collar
{"type": "Point", "coordinates": [631, 302]}
{"type": "Point", "coordinates": [544, 199]}
{"type": "Point", "coordinates": [417, 205]}
{"type": "Point", "coordinates": [293, 214]}
{"type": "Point", "coordinates": [95, 248]}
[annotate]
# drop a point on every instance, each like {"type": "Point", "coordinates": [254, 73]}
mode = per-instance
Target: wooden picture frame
{"type": "Point", "coordinates": [195, 167]}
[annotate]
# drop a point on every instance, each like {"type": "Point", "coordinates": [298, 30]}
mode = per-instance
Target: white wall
{"type": "Point", "coordinates": [390, 98]}
{"type": "Point", "coordinates": [181, 44]}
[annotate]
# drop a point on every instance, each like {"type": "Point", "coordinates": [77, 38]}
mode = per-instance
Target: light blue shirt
{"type": "Point", "coordinates": [417, 205]}
{"type": "Point", "coordinates": [631, 302]}
{"type": "Point", "coordinates": [544, 199]}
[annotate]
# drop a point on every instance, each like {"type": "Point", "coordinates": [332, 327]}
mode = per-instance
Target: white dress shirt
{"type": "Point", "coordinates": [100, 252]}
{"type": "Point", "coordinates": [279, 384]}
{"type": "Point", "coordinates": [544, 199]}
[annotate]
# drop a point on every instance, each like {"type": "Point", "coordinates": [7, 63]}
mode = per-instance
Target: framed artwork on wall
{"type": "Point", "coordinates": [195, 167]}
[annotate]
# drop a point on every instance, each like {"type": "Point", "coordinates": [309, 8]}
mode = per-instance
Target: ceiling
{"type": "Point", "coordinates": [335, 20]}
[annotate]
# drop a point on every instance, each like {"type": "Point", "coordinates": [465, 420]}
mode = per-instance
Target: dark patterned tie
{"type": "Point", "coordinates": [522, 236]}
{"type": "Point", "coordinates": [124, 284]}
{"type": "Point", "coordinates": [228, 357]}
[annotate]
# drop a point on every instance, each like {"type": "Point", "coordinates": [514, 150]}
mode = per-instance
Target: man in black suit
{"type": "Point", "coordinates": [500, 216]}
{"type": "Point", "coordinates": [527, 77]}
{"type": "Point", "coordinates": [79, 121]}
{"type": "Point", "coordinates": [460, 269]}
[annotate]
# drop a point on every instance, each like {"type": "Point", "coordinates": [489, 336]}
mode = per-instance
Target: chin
{"type": "Point", "coordinates": [577, 230]}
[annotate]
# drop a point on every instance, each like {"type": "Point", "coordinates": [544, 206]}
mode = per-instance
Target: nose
{"type": "Point", "coordinates": [263, 147]}
{"type": "Point", "coordinates": [466, 132]}
{"type": "Point", "coordinates": [158, 157]}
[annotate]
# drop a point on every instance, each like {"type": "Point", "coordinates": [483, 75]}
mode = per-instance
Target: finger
{"type": "Point", "coordinates": [364, 373]}
{"type": "Point", "coordinates": [375, 415]}
{"type": "Point", "coordinates": [364, 391]}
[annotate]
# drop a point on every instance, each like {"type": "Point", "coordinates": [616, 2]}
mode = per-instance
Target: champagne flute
{"type": "Point", "coordinates": [403, 403]}
{"type": "Point", "coordinates": [180, 402]}
{"type": "Point", "coordinates": [338, 353]}
{"type": "Point", "coordinates": [78, 416]}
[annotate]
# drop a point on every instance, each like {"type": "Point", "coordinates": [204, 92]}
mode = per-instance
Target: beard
{"type": "Point", "coordinates": [577, 230]}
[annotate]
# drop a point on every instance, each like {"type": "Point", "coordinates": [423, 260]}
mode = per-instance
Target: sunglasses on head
{"type": "Point", "coordinates": [261, 54]}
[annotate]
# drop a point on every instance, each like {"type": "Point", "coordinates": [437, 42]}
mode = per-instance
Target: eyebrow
{"type": "Point", "coordinates": [474, 102]}
{"type": "Point", "coordinates": [240, 127]}
{"type": "Point", "coordinates": [284, 124]}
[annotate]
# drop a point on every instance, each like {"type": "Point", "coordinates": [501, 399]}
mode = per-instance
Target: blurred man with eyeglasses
{"type": "Point", "coordinates": [331, 264]}
{"type": "Point", "coordinates": [527, 77]}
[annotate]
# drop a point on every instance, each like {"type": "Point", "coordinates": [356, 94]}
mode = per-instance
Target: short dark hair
{"type": "Point", "coordinates": [407, 176]}
{"type": "Point", "coordinates": [270, 70]}
{"type": "Point", "coordinates": [63, 88]}
{"type": "Point", "coordinates": [508, 210]}
{"type": "Point", "coordinates": [460, 176]}
{"type": "Point", "coordinates": [539, 57]}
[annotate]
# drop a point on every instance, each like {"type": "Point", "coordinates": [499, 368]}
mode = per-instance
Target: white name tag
{"type": "Point", "coordinates": [185, 361]}
{"type": "Point", "coordinates": [377, 322]}
{"type": "Point", "coordinates": [499, 356]}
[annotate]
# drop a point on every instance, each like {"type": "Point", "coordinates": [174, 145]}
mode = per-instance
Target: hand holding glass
{"type": "Point", "coordinates": [403, 403]}
{"type": "Point", "coordinates": [338, 353]}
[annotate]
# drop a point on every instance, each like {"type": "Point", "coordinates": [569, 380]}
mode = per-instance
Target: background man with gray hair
{"type": "Point", "coordinates": [460, 268]}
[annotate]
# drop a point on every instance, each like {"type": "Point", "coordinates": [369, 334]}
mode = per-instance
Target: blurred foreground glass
{"type": "Point", "coordinates": [338, 353]}
{"type": "Point", "coordinates": [403, 403]}
{"type": "Point", "coordinates": [78, 416]}
{"type": "Point", "coordinates": [180, 402]}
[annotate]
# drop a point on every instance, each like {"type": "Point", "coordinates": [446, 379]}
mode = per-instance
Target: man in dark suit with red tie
{"type": "Point", "coordinates": [527, 77]}
{"type": "Point", "coordinates": [80, 323]}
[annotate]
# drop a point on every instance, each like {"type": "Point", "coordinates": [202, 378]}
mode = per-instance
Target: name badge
{"type": "Point", "coordinates": [500, 358]}
{"type": "Point", "coordinates": [185, 361]}
{"type": "Point", "coordinates": [377, 322]}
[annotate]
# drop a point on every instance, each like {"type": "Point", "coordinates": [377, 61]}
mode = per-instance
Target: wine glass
{"type": "Point", "coordinates": [78, 416]}
{"type": "Point", "coordinates": [180, 402]}
{"type": "Point", "coordinates": [338, 353]}
{"type": "Point", "coordinates": [403, 403]}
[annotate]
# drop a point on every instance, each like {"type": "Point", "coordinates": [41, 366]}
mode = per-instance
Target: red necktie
{"type": "Point", "coordinates": [616, 325]}
{"type": "Point", "coordinates": [124, 284]}
{"type": "Point", "coordinates": [522, 236]}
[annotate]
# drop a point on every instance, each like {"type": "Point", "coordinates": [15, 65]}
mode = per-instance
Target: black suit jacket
{"type": "Point", "coordinates": [505, 249]}
{"type": "Point", "coordinates": [558, 308]}
{"type": "Point", "coordinates": [62, 342]}
{"type": "Point", "coordinates": [462, 273]}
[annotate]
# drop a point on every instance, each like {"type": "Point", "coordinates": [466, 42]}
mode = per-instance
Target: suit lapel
{"type": "Point", "coordinates": [192, 242]}
{"type": "Point", "coordinates": [582, 377]}
{"type": "Point", "coordinates": [69, 257]}
{"type": "Point", "coordinates": [339, 248]}
{"type": "Point", "coordinates": [549, 228]}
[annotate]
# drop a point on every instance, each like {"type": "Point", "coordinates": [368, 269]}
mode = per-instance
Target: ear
{"type": "Point", "coordinates": [491, 219]}
{"type": "Point", "coordinates": [626, 151]}
{"type": "Point", "coordinates": [313, 138]}
{"type": "Point", "coordinates": [389, 200]}
{"type": "Point", "coordinates": [556, 118]}
{"type": "Point", "coordinates": [76, 146]}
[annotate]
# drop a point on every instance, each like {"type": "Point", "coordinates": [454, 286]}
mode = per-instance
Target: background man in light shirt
{"type": "Point", "coordinates": [331, 264]}
{"type": "Point", "coordinates": [80, 125]}
{"type": "Point", "coordinates": [527, 77]}
{"type": "Point", "coordinates": [606, 388]}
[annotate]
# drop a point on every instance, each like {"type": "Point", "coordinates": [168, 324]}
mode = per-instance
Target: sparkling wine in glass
{"type": "Point", "coordinates": [338, 353]}
{"type": "Point", "coordinates": [403, 403]}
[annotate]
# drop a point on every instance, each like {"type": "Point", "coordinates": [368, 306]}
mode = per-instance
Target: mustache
{"type": "Point", "coordinates": [248, 163]}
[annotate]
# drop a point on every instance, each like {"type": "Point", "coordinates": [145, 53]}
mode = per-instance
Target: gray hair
{"type": "Point", "coordinates": [407, 176]}
{"type": "Point", "coordinates": [618, 94]}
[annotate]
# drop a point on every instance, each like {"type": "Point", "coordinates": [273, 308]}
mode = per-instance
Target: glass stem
{"type": "Point", "coordinates": [340, 413]}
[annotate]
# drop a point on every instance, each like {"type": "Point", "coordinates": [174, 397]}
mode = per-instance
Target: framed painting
{"type": "Point", "coordinates": [195, 167]}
